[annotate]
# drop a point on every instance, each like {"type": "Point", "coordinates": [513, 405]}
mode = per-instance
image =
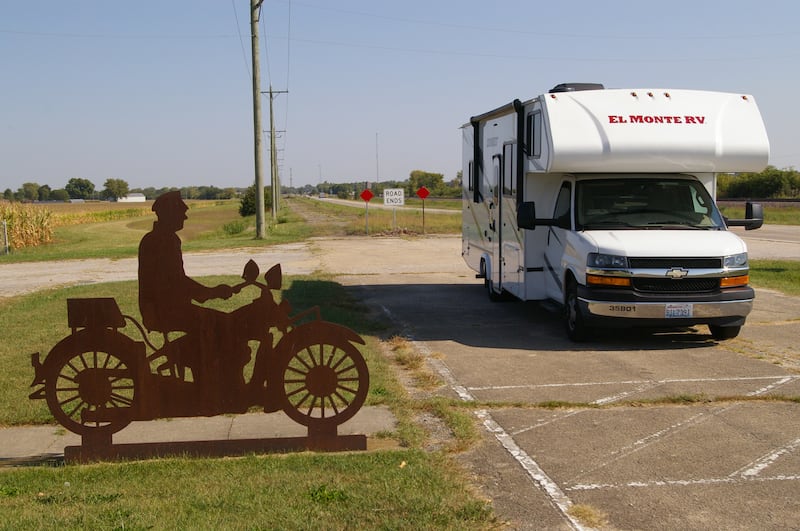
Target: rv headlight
{"type": "Point", "coordinates": [735, 260]}
{"type": "Point", "coordinates": [607, 261]}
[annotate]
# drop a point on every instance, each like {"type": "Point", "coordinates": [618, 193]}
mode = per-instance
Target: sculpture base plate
{"type": "Point", "coordinates": [218, 448]}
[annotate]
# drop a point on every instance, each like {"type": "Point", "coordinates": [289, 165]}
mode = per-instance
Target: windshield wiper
{"type": "Point", "coordinates": [676, 225]}
{"type": "Point", "coordinates": [610, 223]}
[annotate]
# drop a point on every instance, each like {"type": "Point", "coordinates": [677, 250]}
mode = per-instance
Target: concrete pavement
{"type": "Point", "coordinates": [33, 444]}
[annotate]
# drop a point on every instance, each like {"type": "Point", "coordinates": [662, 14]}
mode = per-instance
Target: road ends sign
{"type": "Point", "coordinates": [394, 197]}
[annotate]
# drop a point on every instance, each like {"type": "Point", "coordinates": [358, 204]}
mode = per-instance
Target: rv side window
{"type": "Point", "coordinates": [533, 134]}
{"type": "Point", "coordinates": [562, 213]}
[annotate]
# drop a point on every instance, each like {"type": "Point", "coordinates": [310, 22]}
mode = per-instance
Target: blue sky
{"type": "Point", "coordinates": [158, 92]}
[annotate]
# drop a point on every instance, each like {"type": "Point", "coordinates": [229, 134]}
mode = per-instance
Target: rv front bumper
{"type": "Point", "coordinates": [727, 308]}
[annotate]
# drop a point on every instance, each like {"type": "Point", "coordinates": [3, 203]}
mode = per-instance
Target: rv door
{"type": "Point", "coordinates": [556, 241]}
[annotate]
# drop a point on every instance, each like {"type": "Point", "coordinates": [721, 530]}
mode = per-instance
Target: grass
{"type": "Point", "coordinates": [774, 213]}
{"type": "Point", "coordinates": [780, 275]}
{"type": "Point", "coordinates": [210, 225]}
{"type": "Point", "coordinates": [384, 221]}
{"type": "Point", "coordinates": [406, 489]}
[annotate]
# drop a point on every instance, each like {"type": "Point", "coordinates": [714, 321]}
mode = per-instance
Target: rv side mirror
{"type": "Point", "coordinates": [754, 217]}
{"type": "Point", "coordinates": [526, 215]}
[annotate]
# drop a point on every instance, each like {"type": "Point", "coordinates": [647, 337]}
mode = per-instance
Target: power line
{"type": "Point", "coordinates": [540, 33]}
{"type": "Point", "coordinates": [241, 40]}
{"type": "Point", "coordinates": [266, 48]}
{"type": "Point", "coordinates": [288, 65]}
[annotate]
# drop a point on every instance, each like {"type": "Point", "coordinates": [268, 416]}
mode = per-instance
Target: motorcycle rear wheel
{"type": "Point", "coordinates": [89, 384]}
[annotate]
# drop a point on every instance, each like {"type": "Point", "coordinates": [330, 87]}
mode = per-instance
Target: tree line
{"type": "Point", "coordinates": [113, 189]}
{"type": "Point", "coordinates": [771, 183]}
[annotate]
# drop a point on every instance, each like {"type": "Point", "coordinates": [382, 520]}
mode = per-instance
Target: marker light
{"type": "Point", "coordinates": [734, 282]}
{"type": "Point", "coordinates": [599, 280]}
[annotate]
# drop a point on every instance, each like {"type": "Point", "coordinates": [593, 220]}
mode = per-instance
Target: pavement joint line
{"type": "Point", "coordinates": [680, 482]}
{"type": "Point", "coordinates": [551, 489]}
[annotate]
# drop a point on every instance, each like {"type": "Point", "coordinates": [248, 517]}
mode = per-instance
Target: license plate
{"type": "Point", "coordinates": [678, 310]}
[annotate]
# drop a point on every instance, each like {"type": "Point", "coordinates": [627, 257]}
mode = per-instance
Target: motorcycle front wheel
{"type": "Point", "coordinates": [324, 377]}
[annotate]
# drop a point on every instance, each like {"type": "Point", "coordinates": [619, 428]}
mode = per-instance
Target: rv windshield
{"type": "Point", "coordinates": [645, 203]}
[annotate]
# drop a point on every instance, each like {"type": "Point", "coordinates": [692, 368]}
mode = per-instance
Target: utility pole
{"type": "Point", "coordinates": [255, 10]}
{"type": "Point", "coordinates": [273, 158]}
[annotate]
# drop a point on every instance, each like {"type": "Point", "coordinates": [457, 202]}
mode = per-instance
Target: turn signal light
{"type": "Point", "coordinates": [599, 280]}
{"type": "Point", "coordinates": [734, 282]}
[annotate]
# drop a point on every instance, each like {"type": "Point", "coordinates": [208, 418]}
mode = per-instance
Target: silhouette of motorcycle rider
{"type": "Point", "coordinates": [215, 345]}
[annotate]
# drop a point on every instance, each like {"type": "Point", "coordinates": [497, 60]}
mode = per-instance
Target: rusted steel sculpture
{"type": "Point", "coordinates": [98, 379]}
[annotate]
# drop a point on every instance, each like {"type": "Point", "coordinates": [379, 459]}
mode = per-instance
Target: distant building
{"type": "Point", "coordinates": [132, 198]}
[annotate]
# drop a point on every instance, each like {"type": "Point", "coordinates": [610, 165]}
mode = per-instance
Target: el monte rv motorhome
{"type": "Point", "coordinates": [625, 184]}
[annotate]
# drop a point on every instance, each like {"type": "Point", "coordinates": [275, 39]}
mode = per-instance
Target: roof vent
{"type": "Point", "coordinates": [573, 87]}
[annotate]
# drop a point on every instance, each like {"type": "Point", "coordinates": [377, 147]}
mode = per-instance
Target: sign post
{"type": "Point", "coordinates": [422, 193]}
{"type": "Point", "coordinates": [5, 237]}
{"type": "Point", "coordinates": [366, 195]}
{"type": "Point", "coordinates": [394, 197]}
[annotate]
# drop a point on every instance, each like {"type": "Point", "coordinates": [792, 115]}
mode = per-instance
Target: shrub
{"type": "Point", "coordinates": [247, 205]}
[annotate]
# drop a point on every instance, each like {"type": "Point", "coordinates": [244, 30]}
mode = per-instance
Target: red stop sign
{"type": "Point", "coordinates": [423, 192]}
{"type": "Point", "coordinates": [366, 195]}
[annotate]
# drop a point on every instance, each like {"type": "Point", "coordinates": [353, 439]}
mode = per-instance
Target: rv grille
{"type": "Point", "coordinates": [684, 285]}
{"type": "Point", "coordinates": [666, 263]}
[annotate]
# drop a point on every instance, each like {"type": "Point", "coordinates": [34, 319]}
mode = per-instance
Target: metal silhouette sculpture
{"type": "Point", "coordinates": [98, 380]}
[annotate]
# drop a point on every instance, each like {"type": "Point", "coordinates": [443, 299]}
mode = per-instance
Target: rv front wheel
{"type": "Point", "coordinates": [576, 325]}
{"type": "Point", "coordinates": [724, 332]}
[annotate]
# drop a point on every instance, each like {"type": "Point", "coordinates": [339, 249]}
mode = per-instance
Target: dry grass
{"type": "Point", "coordinates": [589, 516]}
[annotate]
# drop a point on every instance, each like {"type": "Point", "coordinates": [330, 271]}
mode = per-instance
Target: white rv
{"type": "Point", "coordinates": [603, 201]}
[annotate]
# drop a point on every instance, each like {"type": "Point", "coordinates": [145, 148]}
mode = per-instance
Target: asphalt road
{"type": "Point", "coordinates": [629, 445]}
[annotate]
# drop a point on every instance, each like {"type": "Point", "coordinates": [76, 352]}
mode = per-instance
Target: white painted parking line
{"type": "Point", "coordinates": [756, 467]}
{"type": "Point", "coordinates": [553, 492]}
{"type": "Point", "coordinates": [645, 442]}
{"type": "Point", "coordinates": [782, 379]}
{"type": "Point", "coordinates": [679, 483]}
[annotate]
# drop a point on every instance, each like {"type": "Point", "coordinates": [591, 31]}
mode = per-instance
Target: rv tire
{"type": "Point", "coordinates": [721, 333]}
{"type": "Point", "coordinates": [487, 284]}
{"type": "Point", "coordinates": [577, 330]}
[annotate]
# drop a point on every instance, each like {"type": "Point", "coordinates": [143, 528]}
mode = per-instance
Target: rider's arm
{"type": "Point", "coordinates": [202, 293]}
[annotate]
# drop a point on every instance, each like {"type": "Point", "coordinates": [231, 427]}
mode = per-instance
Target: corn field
{"type": "Point", "coordinates": [27, 225]}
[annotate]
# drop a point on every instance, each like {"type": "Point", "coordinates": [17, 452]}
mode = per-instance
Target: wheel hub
{"type": "Point", "coordinates": [321, 381]}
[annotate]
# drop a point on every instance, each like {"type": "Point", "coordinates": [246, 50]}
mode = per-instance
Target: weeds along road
{"type": "Point", "coordinates": [670, 430]}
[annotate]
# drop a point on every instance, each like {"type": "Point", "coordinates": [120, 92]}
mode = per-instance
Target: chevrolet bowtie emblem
{"type": "Point", "coordinates": [677, 272]}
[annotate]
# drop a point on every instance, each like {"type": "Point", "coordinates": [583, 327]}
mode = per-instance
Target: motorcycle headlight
{"type": "Point", "coordinates": [735, 260]}
{"type": "Point", "coordinates": [607, 261]}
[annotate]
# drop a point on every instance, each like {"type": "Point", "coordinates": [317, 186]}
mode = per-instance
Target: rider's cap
{"type": "Point", "coordinates": [169, 201]}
